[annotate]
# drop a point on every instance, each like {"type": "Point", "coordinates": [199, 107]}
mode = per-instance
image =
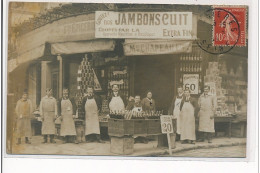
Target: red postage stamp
{"type": "Point", "coordinates": [229, 27]}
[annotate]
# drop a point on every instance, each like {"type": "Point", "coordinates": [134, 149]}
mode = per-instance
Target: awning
{"type": "Point", "coordinates": [155, 47]}
{"type": "Point", "coordinates": [28, 56]}
{"type": "Point", "coordinates": [82, 46]}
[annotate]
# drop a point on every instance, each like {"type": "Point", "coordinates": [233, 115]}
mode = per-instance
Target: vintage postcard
{"type": "Point", "coordinates": [143, 80]}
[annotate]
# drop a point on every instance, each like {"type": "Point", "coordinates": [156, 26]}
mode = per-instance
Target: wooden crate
{"type": "Point", "coordinates": [120, 127]}
{"type": "Point", "coordinates": [140, 127]}
{"type": "Point", "coordinates": [153, 126]}
{"type": "Point", "coordinates": [239, 129]}
{"type": "Point", "coordinates": [122, 145]}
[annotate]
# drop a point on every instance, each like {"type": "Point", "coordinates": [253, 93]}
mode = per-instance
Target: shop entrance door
{"type": "Point", "coordinates": [155, 73]}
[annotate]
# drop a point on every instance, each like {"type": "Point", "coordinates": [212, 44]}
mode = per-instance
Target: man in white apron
{"type": "Point", "coordinates": [91, 104]}
{"type": "Point", "coordinates": [23, 111]}
{"type": "Point", "coordinates": [67, 111]}
{"type": "Point", "coordinates": [116, 101]}
{"type": "Point", "coordinates": [207, 104]}
{"type": "Point", "coordinates": [175, 110]}
{"type": "Point", "coordinates": [187, 121]}
{"type": "Point", "coordinates": [48, 112]}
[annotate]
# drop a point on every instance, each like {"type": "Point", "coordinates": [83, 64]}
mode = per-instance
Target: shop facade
{"type": "Point", "coordinates": [56, 54]}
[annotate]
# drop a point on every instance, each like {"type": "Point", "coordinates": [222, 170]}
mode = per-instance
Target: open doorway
{"type": "Point", "coordinates": [156, 73]}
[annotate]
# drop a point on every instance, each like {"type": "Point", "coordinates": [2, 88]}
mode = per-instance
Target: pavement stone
{"type": "Point", "coordinates": [103, 149]}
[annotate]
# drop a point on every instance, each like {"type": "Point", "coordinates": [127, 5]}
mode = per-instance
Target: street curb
{"type": "Point", "coordinates": [176, 150]}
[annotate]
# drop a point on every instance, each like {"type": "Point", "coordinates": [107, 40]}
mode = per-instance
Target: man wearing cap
{"type": "Point", "coordinates": [207, 104]}
{"type": "Point", "coordinates": [23, 111]}
{"type": "Point", "coordinates": [48, 112]}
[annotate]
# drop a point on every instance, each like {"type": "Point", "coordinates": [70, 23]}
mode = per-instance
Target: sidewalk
{"type": "Point", "coordinates": [103, 149]}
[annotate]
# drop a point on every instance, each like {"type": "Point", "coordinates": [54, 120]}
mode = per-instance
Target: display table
{"type": "Point", "coordinates": [122, 133]}
{"type": "Point", "coordinates": [224, 122]}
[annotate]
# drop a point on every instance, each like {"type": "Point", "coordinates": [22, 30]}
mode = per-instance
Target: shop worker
{"type": "Point", "coordinates": [175, 109]}
{"type": "Point", "coordinates": [48, 112]}
{"type": "Point", "coordinates": [148, 103]}
{"type": "Point", "coordinates": [91, 104]}
{"type": "Point", "coordinates": [187, 113]}
{"type": "Point", "coordinates": [117, 100]}
{"type": "Point", "coordinates": [67, 111]}
{"type": "Point", "coordinates": [207, 104]}
{"type": "Point", "coordinates": [135, 105]}
{"type": "Point", "coordinates": [23, 111]}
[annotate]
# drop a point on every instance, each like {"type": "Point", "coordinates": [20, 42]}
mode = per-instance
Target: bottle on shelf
{"type": "Point", "coordinates": [187, 68]}
{"type": "Point", "coordinates": [197, 67]}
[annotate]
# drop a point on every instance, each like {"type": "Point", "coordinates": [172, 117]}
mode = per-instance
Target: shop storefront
{"type": "Point", "coordinates": [62, 51]}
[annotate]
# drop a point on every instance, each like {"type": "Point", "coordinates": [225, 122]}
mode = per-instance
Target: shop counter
{"type": "Point", "coordinates": [122, 133]}
{"type": "Point", "coordinates": [223, 122]}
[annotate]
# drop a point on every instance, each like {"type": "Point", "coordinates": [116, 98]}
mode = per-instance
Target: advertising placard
{"type": "Point", "coordinates": [191, 81]}
{"type": "Point", "coordinates": [166, 25]}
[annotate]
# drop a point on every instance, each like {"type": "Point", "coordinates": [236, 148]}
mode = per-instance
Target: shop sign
{"type": "Point", "coordinates": [191, 81]}
{"type": "Point", "coordinates": [164, 25]}
{"type": "Point", "coordinates": [76, 28]}
{"type": "Point", "coordinates": [153, 47]}
{"type": "Point", "coordinates": [166, 124]}
{"type": "Point", "coordinates": [167, 128]}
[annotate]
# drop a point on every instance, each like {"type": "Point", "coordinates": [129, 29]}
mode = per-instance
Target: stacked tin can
{"type": "Point", "coordinates": [85, 78]}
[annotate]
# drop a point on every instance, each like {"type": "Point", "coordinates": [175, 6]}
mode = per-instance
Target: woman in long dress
{"type": "Point", "coordinates": [23, 111]}
{"type": "Point", "coordinates": [187, 114]}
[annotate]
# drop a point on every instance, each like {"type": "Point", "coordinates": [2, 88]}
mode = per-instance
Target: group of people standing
{"type": "Point", "coordinates": [183, 107]}
{"type": "Point", "coordinates": [186, 110]}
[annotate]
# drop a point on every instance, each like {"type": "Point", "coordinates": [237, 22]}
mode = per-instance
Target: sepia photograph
{"type": "Point", "coordinates": [132, 80]}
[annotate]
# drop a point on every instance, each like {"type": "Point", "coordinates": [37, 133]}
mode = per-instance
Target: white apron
{"type": "Point", "coordinates": [48, 124]}
{"type": "Point", "coordinates": [91, 117]}
{"type": "Point", "coordinates": [137, 109]}
{"type": "Point", "coordinates": [187, 122]}
{"type": "Point", "coordinates": [205, 123]}
{"type": "Point", "coordinates": [176, 113]}
{"type": "Point", "coordinates": [67, 124]}
{"type": "Point", "coordinates": [116, 104]}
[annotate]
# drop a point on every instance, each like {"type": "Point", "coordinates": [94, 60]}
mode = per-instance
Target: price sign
{"type": "Point", "coordinates": [166, 124]}
{"type": "Point", "coordinates": [191, 81]}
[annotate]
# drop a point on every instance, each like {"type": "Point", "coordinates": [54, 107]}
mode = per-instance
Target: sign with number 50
{"type": "Point", "coordinates": [166, 124]}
